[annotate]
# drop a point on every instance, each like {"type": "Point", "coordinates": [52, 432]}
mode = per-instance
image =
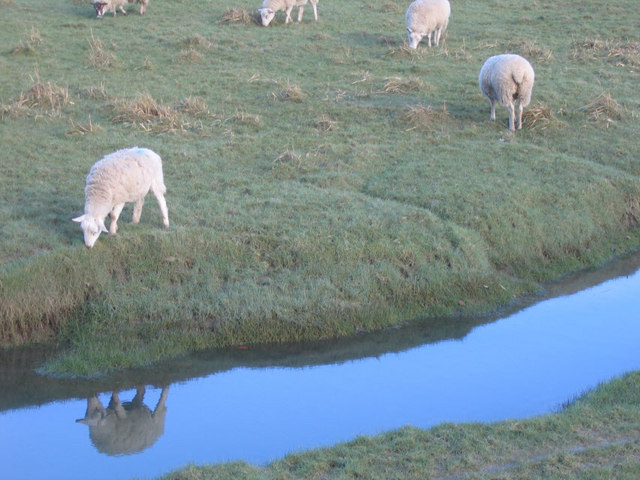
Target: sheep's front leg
{"type": "Point", "coordinates": [315, 10]}
{"type": "Point", "coordinates": [137, 210]}
{"type": "Point", "coordinates": [288, 12]}
{"type": "Point", "coordinates": [115, 213]}
{"type": "Point", "coordinates": [124, 12]}
{"type": "Point", "coordinates": [300, 10]}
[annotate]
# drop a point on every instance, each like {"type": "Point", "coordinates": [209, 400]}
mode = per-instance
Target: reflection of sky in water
{"type": "Point", "coordinates": [524, 365]}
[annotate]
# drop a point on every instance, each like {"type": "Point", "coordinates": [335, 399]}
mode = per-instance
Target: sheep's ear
{"type": "Point", "coordinates": [78, 219]}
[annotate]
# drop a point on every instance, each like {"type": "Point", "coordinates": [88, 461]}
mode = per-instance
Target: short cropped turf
{"type": "Point", "coordinates": [323, 179]}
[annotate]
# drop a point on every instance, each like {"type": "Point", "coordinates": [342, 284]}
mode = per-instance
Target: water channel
{"type": "Point", "coordinates": [259, 404]}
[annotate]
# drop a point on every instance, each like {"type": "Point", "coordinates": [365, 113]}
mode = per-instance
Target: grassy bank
{"type": "Point", "coordinates": [322, 178]}
{"type": "Point", "coordinates": [596, 436]}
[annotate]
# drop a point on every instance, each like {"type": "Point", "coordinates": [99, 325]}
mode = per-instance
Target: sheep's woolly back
{"type": "Point", "coordinates": [120, 177]}
{"type": "Point", "coordinates": [278, 5]}
{"type": "Point", "coordinates": [425, 16]}
{"type": "Point", "coordinates": [507, 78]}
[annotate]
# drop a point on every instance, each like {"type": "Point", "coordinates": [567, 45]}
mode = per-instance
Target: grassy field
{"type": "Point", "coordinates": [323, 179]}
{"type": "Point", "coordinates": [595, 437]}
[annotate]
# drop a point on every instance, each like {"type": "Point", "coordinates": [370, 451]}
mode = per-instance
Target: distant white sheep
{"type": "Point", "coordinates": [103, 6]}
{"type": "Point", "coordinates": [508, 79]}
{"type": "Point", "coordinates": [270, 7]}
{"type": "Point", "coordinates": [123, 176]}
{"type": "Point", "coordinates": [427, 18]}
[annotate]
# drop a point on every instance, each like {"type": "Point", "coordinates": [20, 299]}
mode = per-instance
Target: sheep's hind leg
{"type": "Point", "coordinates": [493, 109]}
{"type": "Point", "coordinates": [137, 211]}
{"type": "Point", "coordinates": [115, 213]}
{"type": "Point", "coordinates": [300, 12]}
{"type": "Point", "coordinates": [512, 113]}
{"type": "Point", "coordinates": [519, 120]}
{"type": "Point", "coordinates": [163, 207]}
{"type": "Point", "coordinates": [315, 9]}
{"type": "Point", "coordinates": [288, 13]}
{"type": "Point", "coordinates": [124, 12]}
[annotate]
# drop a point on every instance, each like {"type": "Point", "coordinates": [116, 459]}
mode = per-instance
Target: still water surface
{"type": "Point", "coordinates": [258, 410]}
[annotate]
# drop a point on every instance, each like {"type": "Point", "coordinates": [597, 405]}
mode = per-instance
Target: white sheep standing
{"type": "Point", "coordinates": [507, 78]}
{"type": "Point", "coordinates": [123, 176]}
{"type": "Point", "coordinates": [103, 6]}
{"type": "Point", "coordinates": [427, 18]}
{"type": "Point", "coordinates": [270, 7]}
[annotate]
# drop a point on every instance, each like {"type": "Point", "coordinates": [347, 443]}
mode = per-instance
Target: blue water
{"type": "Point", "coordinates": [524, 365]}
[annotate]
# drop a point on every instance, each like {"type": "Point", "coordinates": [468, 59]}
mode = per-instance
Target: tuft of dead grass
{"type": "Point", "coordinates": [195, 107]}
{"type": "Point", "coordinates": [97, 92]}
{"type": "Point", "coordinates": [404, 51]}
{"type": "Point", "coordinates": [195, 41]}
{"type": "Point", "coordinates": [604, 108]}
{"type": "Point", "coordinates": [532, 51]}
{"type": "Point", "coordinates": [83, 128]}
{"type": "Point", "coordinates": [190, 55]}
{"type": "Point", "coordinates": [239, 16]}
{"type": "Point", "coordinates": [287, 157]}
{"type": "Point", "coordinates": [401, 85]}
{"type": "Point", "coordinates": [28, 46]}
{"type": "Point", "coordinates": [146, 113]}
{"type": "Point", "coordinates": [290, 92]}
{"type": "Point", "coordinates": [427, 117]}
{"type": "Point", "coordinates": [99, 56]}
{"type": "Point", "coordinates": [538, 116]}
{"type": "Point", "coordinates": [623, 53]}
{"type": "Point", "coordinates": [324, 123]}
{"type": "Point", "coordinates": [391, 6]}
{"type": "Point", "coordinates": [245, 118]}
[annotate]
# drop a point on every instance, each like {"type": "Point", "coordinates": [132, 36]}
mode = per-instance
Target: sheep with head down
{"type": "Point", "coordinates": [270, 7]}
{"type": "Point", "coordinates": [507, 78]}
{"type": "Point", "coordinates": [123, 176]}
{"type": "Point", "coordinates": [427, 18]}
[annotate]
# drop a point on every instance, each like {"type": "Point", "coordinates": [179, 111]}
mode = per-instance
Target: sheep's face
{"type": "Point", "coordinates": [266, 15]}
{"type": "Point", "coordinates": [100, 8]}
{"type": "Point", "coordinates": [414, 38]}
{"type": "Point", "coordinates": [91, 227]}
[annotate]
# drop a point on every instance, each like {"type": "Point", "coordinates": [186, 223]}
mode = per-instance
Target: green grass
{"type": "Point", "coordinates": [596, 436]}
{"type": "Point", "coordinates": [323, 179]}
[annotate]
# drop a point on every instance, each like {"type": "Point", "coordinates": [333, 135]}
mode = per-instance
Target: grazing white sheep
{"type": "Point", "coordinates": [507, 78]}
{"type": "Point", "coordinates": [103, 6]}
{"type": "Point", "coordinates": [427, 18]}
{"type": "Point", "coordinates": [123, 176]}
{"type": "Point", "coordinates": [270, 7]}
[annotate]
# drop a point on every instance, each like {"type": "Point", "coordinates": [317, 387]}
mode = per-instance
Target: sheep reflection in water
{"type": "Point", "coordinates": [125, 428]}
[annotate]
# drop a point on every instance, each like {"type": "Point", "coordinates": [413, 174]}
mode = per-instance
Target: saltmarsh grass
{"type": "Point", "coordinates": [323, 178]}
{"type": "Point", "coordinates": [596, 436]}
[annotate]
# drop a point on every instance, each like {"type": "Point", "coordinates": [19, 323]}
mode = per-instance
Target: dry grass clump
{"type": "Point", "coordinates": [190, 55]}
{"type": "Point", "coordinates": [95, 92]}
{"type": "Point", "coordinates": [239, 16]}
{"type": "Point", "coordinates": [426, 118]}
{"type": "Point", "coordinates": [401, 85]}
{"type": "Point", "coordinates": [287, 157]}
{"type": "Point", "coordinates": [40, 98]}
{"type": "Point", "coordinates": [605, 108]}
{"type": "Point", "coordinates": [538, 116]}
{"type": "Point", "coordinates": [245, 118]}
{"type": "Point", "coordinates": [624, 53]}
{"type": "Point", "coordinates": [195, 107]}
{"type": "Point", "coordinates": [28, 45]}
{"type": "Point", "coordinates": [391, 6]}
{"type": "Point", "coordinates": [195, 41]}
{"type": "Point", "coordinates": [146, 113]}
{"type": "Point", "coordinates": [324, 123]}
{"type": "Point", "coordinates": [404, 51]}
{"type": "Point", "coordinates": [531, 51]}
{"type": "Point", "coordinates": [99, 56]}
{"type": "Point", "coordinates": [150, 115]}
{"type": "Point", "coordinates": [290, 92]}
{"type": "Point", "coordinates": [83, 128]}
